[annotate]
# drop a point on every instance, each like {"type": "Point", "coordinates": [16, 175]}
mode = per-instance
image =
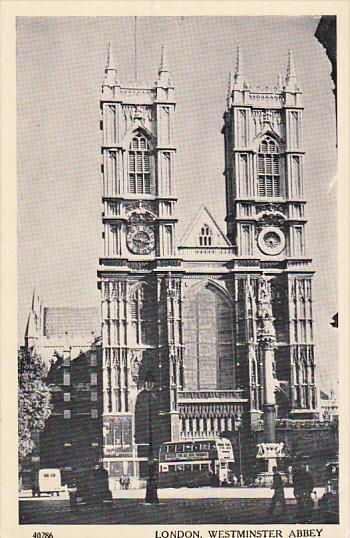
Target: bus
{"type": "Point", "coordinates": [195, 463]}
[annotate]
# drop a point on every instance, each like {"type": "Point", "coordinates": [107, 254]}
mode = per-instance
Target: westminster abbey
{"type": "Point", "coordinates": [180, 353]}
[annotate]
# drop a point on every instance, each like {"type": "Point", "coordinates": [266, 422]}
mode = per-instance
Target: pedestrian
{"type": "Point", "coordinates": [127, 481]}
{"type": "Point", "coordinates": [278, 496]}
{"type": "Point", "coordinates": [100, 481]}
{"type": "Point", "coordinates": [303, 487]}
{"type": "Point", "coordinates": [121, 481]}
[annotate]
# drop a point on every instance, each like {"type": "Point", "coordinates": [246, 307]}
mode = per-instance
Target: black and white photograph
{"type": "Point", "coordinates": [177, 273]}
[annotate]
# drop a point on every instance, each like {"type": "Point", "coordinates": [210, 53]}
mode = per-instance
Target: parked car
{"type": "Point", "coordinates": [90, 488]}
{"type": "Point", "coordinates": [47, 481]}
{"type": "Point", "coordinates": [329, 503]}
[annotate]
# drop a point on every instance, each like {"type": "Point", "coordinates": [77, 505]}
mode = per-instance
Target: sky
{"type": "Point", "coordinates": [60, 68]}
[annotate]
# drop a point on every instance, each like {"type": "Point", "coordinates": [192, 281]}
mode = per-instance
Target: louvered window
{"type": "Point", "coordinates": [139, 166]}
{"type": "Point", "coordinates": [268, 169]}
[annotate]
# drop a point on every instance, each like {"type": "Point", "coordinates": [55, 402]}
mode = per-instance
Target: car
{"type": "Point", "coordinates": [47, 481]}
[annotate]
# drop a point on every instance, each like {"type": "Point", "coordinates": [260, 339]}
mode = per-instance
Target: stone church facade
{"type": "Point", "coordinates": [190, 318]}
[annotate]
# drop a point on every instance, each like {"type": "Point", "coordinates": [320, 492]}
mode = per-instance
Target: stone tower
{"type": "Point", "coordinates": [140, 301]}
{"type": "Point", "coordinates": [265, 215]}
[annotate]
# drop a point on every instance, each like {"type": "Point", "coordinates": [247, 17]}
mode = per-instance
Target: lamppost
{"type": "Point", "coordinates": [240, 457]}
{"type": "Point", "coordinates": [151, 487]}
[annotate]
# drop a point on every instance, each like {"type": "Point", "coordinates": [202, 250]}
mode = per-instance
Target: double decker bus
{"type": "Point", "coordinates": [194, 463]}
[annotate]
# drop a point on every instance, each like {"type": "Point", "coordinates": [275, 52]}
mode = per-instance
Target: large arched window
{"type": "Point", "coordinates": [139, 166]}
{"type": "Point", "coordinates": [268, 169]}
{"type": "Point", "coordinates": [208, 333]}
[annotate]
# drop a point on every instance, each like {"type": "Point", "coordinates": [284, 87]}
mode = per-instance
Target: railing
{"type": "Point", "coordinates": [205, 395]}
{"type": "Point", "coordinates": [296, 424]}
{"type": "Point", "coordinates": [207, 250]}
{"type": "Point", "coordinates": [300, 261]}
{"type": "Point", "coordinates": [188, 434]}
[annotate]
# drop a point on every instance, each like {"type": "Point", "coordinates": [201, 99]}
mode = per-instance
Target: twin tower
{"type": "Point", "coordinates": [192, 320]}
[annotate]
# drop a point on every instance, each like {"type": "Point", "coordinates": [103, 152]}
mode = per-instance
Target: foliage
{"type": "Point", "coordinates": [34, 405]}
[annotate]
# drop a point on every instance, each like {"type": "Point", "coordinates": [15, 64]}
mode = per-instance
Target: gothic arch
{"type": "Point", "coordinates": [210, 284]}
{"type": "Point", "coordinates": [268, 133]}
{"type": "Point", "coordinates": [138, 128]}
{"type": "Point", "coordinates": [208, 333]}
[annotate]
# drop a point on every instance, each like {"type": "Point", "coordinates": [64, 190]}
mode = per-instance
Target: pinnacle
{"type": "Point", "coordinates": [291, 73]}
{"type": "Point", "coordinates": [163, 61]}
{"type": "Point", "coordinates": [111, 64]}
{"type": "Point", "coordinates": [230, 88]}
{"type": "Point", "coordinates": [239, 69]}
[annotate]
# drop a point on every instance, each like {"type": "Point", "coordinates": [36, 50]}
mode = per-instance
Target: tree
{"type": "Point", "coordinates": [34, 400]}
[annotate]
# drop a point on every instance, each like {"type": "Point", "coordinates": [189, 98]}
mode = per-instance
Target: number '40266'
{"type": "Point", "coordinates": [43, 535]}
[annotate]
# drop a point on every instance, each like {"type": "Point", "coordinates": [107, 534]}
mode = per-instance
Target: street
{"type": "Point", "coordinates": [134, 511]}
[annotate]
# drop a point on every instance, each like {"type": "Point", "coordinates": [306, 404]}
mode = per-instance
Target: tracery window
{"type": "Point", "coordinates": [268, 169]}
{"type": "Point", "coordinates": [205, 238]}
{"type": "Point", "coordinates": [208, 333]}
{"type": "Point", "coordinates": [139, 165]}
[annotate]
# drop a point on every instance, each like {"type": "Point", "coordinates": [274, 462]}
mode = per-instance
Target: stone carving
{"type": "Point", "coordinates": [140, 214]}
{"type": "Point", "coordinates": [270, 217]}
{"type": "Point", "coordinates": [140, 205]}
{"type": "Point", "coordinates": [301, 290]}
{"type": "Point", "coordinates": [138, 92]}
{"type": "Point", "coordinates": [107, 359]}
{"type": "Point", "coordinates": [135, 363]}
{"type": "Point", "coordinates": [266, 329]}
{"type": "Point", "coordinates": [115, 291]}
{"type": "Point", "coordinates": [271, 450]}
{"type": "Point", "coordinates": [115, 359]}
{"type": "Point", "coordinates": [262, 117]}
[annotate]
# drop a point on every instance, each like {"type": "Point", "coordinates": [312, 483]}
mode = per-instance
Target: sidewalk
{"type": "Point", "coordinates": [209, 493]}
{"type": "Point", "coordinates": [186, 493]}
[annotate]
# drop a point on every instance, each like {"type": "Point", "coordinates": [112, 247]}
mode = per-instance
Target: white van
{"type": "Point", "coordinates": [49, 481]}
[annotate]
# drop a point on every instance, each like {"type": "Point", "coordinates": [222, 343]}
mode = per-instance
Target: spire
{"type": "Point", "coordinates": [291, 78]}
{"type": "Point", "coordinates": [111, 69]}
{"type": "Point", "coordinates": [34, 299]}
{"type": "Point", "coordinates": [239, 82]}
{"type": "Point", "coordinates": [111, 65]}
{"type": "Point", "coordinates": [163, 62]}
{"type": "Point", "coordinates": [239, 63]}
{"type": "Point", "coordinates": [33, 327]}
{"type": "Point", "coordinates": [229, 89]}
{"type": "Point", "coordinates": [163, 71]}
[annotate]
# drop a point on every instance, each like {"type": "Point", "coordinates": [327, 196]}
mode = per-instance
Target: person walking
{"type": "Point", "coordinates": [303, 487]}
{"type": "Point", "coordinates": [278, 496]}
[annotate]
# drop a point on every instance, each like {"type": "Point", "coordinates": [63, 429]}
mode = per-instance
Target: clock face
{"type": "Point", "coordinates": [271, 241]}
{"type": "Point", "coordinates": [140, 239]}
